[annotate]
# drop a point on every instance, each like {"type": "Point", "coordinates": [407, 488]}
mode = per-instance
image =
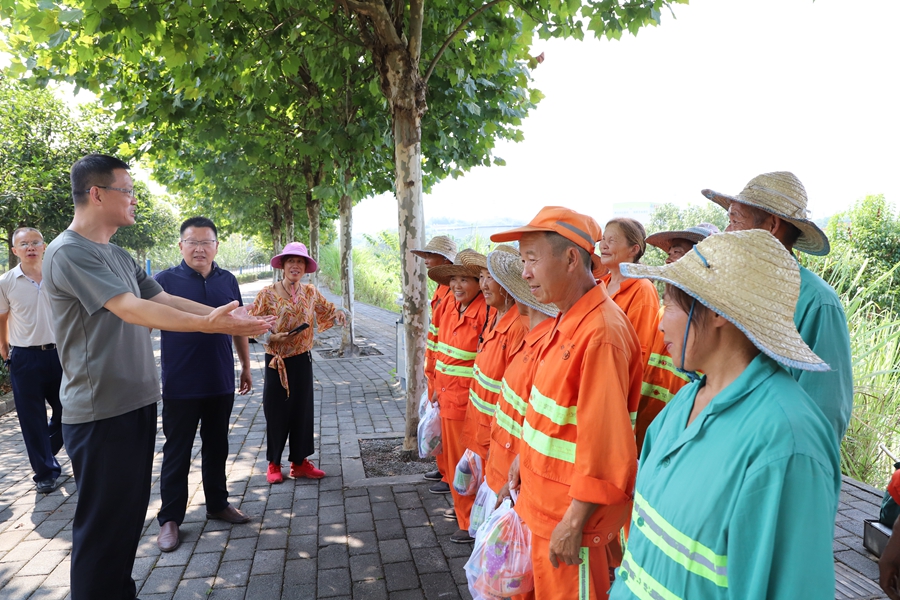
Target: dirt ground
{"type": "Point", "coordinates": [381, 458]}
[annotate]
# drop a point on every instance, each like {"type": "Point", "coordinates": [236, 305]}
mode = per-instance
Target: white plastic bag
{"type": "Point", "coordinates": [467, 477]}
{"type": "Point", "coordinates": [423, 404]}
{"type": "Point", "coordinates": [429, 432]}
{"type": "Point", "coordinates": [501, 563]}
{"type": "Point", "coordinates": [485, 501]}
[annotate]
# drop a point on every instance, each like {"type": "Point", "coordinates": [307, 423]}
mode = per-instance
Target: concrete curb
{"type": "Point", "coordinates": [6, 403]}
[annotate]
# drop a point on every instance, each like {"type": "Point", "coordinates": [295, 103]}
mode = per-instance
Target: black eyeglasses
{"type": "Point", "coordinates": [107, 187]}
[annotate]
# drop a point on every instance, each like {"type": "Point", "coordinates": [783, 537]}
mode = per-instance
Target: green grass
{"type": "Point", "coordinates": [373, 282]}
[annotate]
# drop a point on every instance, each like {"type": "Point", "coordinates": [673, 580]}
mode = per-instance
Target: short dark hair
{"type": "Point", "coordinates": [759, 216]}
{"type": "Point", "coordinates": [91, 170]}
{"type": "Point", "coordinates": [199, 222]}
{"type": "Point", "coordinates": [560, 244]}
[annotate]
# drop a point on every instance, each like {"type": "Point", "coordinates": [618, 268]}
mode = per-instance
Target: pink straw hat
{"type": "Point", "coordinates": [295, 249]}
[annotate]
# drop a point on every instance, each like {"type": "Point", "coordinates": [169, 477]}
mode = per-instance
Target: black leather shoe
{"type": "Point", "coordinates": [230, 515]}
{"type": "Point", "coordinates": [462, 537]}
{"type": "Point", "coordinates": [46, 486]}
{"type": "Point", "coordinates": [440, 488]}
{"type": "Point", "coordinates": [433, 476]}
{"type": "Point", "coordinates": [169, 537]}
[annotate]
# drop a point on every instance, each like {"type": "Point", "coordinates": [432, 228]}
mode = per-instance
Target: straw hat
{"type": "Point", "coordinates": [443, 273]}
{"type": "Point", "coordinates": [439, 244]}
{"type": "Point", "coordinates": [782, 195]}
{"type": "Point", "coordinates": [294, 249]}
{"type": "Point", "coordinates": [749, 278]}
{"type": "Point", "coordinates": [663, 239]}
{"type": "Point", "coordinates": [474, 259]}
{"type": "Point", "coordinates": [506, 269]}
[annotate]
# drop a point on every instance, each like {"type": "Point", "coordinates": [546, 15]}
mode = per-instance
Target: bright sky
{"type": "Point", "coordinates": [728, 90]}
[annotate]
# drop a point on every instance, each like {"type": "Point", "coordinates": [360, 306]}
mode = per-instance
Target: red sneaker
{"type": "Point", "coordinates": [306, 469]}
{"type": "Point", "coordinates": [274, 475]}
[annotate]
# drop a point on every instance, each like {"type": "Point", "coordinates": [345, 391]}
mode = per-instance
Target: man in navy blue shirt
{"type": "Point", "coordinates": [198, 385]}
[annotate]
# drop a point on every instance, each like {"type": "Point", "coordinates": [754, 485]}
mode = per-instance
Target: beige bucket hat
{"type": "Point", "coordinates": [781, 194]}
{"type": "Point", "coordinates": [506, 269]}
{"type": "Point", "coordinates": [663, 239]}
{"type": "Point", "coordinates": [474, 259]}
{"type": "Point", "coordinates": [749, 278]}
{"type": "Point", "coordinates": [443, 273]}
{"type": "Point", "coordinates": [439, 244]}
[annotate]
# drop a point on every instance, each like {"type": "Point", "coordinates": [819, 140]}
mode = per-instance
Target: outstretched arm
{"type": "Point", "coordinates": [159, 315]}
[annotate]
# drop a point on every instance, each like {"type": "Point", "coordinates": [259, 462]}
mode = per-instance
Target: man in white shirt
{"type": "Point", "coordinates": [27, 346]}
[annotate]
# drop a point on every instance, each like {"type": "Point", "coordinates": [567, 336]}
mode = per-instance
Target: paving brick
{"type": "Point", "coordinates": [391, 529]}
{"type": "Point", "coordinates": [357, 504]}
{"type": "Point", "coordinates": [365, 566]}
{"type": "Point", "coordinates": [369, 590]}
{"type": "Point", "coordinates": [438, 585]}
{"type": "Point", "coordinates": [264, 586]}
{"type": "Point", "coordinates": [399, 576]}
{"type": "Point", "coordinates": [360, 522]}
{"type": "Point", "coordinates": [333, 582]}
{"type": "Point", "coordinates": [300, 572]}
{"type": "Point", "coordinates": [393, 551]}
{"type": "Point", "coordinates": [385, 510]}
{"type": "Point", "coordinates": [235, 573]}
{"type": "Point", "coordinates": [267, 562]}
{"type": "Point", "coordinates": [334, 556]}
{"type": "Point", "coordinates": [203, 565]}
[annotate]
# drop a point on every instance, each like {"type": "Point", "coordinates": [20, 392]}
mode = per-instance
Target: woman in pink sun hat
{"type": "Point", "coordinates": [288, 387]}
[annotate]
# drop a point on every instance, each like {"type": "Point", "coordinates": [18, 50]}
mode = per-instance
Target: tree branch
{"type": "Point", "coordinates": [449, 39]}
{"type": "Point", "coordinates": [416, 17]}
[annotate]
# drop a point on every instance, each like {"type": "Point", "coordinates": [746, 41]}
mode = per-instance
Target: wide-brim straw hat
{"type": "Point", "coordinates": [663, 239]}
{"type": "Point", "coordinates": [294, 249]}
{"type": "Point", "coordinates": [781, 194]}
{"type": "Point", "coordinates": [506, 269]}
{"type": "Point", "coordinates": [474, 259]}
{"type": "Point", "coordinates": [444, 273]}
{"type": "Point", "coordinates": [749, 278]}
{"type": "Point", "coordinates": [439, 244]}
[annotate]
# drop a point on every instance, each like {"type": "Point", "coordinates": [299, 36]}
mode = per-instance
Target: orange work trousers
{"type": "Point", "coordinates": [587, 581]}
{"type": "Point", "coordinates": [454, 448]}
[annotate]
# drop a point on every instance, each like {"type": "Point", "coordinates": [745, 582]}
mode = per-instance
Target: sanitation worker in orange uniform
{"type": "Point", "coordinates": [577, 462]}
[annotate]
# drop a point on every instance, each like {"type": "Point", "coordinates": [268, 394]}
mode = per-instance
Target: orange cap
{"type": "Point", "coordinates": [580, 229]}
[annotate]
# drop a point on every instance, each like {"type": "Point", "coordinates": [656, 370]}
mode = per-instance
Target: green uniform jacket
{"type": "Point", "coordinates": [822, 324]}
{"type": "Point", "coordinates": [741, 503]}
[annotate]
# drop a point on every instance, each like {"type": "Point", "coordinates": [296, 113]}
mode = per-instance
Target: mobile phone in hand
{"type": "Point", "coordinates": [298, 328]}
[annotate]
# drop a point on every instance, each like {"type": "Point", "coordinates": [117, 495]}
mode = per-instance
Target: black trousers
{"type": "Point", "coordinates": [112, 460]}
{"type": "Point", "coordinates": [180, 419]}
{"type": "Point", "coordinates": [289, 418]}
{"type": "Point", "coordinates": [35, 376]}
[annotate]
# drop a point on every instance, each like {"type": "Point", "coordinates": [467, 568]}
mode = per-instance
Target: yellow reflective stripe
{"type": "Point", "coordinates": [584, 575]}
{"type": "Point", "coordinates": [453, 370]}
{"type": "Point", "coordinates": [546, 406]}
{"type": "Point", "coordinates": [430, 345]}
{"type": "Point", "coordinates": [656, 391]}
{"type": "Point", "coordinates": [633, 416]}
{"type": "Point", "coordinates": [519, 405]}
{"type": "Point", "coordinates": [548, 446]}
{"type": "Point", "coordinates": [433, 329]}
{"type": "Point", "coordinates": [479, 404]}
{"type": "Point", "coordinates": [664, 362]}
{"type": "Point", "coordinates": [688, 552]}
{"type": "Point", "coordinates": [508, 424]}
{"type": "Point", "coordinates": [491, 385]}
{"type": "Point", "coordinates": [640, 583]}
{"type": "Point", "coordinates": [455, 352]}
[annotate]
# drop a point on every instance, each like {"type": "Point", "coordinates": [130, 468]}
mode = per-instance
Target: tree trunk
{"type": "Point", "coordinates": [348, 348]}
{"type": "Point", "coordinates": [275, 229]}
{"type": "Point", "coordinates": [12, 259]}
{"type": "Point", "coordinates": [408, 157]}
{"type": "Point", "coordinates": [312, 211]}
{"type": "Point", "coordinates": [287, 209]}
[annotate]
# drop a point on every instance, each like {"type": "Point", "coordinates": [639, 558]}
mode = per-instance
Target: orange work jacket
{"type": "Point", "coordinates": [577, 438]}
{"type": "Point", "coordinates": [506, 424]}
{"type": "Point", "coordinates": [661, 382]}
{"type": "Point", "coordinates": [639, 300]}
{"type": "Point", "coordinates": [454, 355]}
{"type": "Point", "coordinates": [439, 301]}
{"type": "Point", "coordinates": [496, 348]}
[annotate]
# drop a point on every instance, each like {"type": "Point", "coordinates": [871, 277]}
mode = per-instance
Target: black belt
{"type": "Point", "coordinates": [41, 347]}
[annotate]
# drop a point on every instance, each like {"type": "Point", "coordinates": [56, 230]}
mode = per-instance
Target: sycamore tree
{"type": "Point", "coordinates": [467, 64]}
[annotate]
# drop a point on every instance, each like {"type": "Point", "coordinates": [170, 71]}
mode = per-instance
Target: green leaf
{"type": "Point", "coordinates": [58, 38]}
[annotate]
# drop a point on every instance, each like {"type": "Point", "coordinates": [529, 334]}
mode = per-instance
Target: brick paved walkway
{"type": "Point", "coordinates": [341, 537]}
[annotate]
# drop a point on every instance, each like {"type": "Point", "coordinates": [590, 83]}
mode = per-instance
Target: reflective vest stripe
{"type": "Point", "coordinates": [584, 574]}
{"type": "Point", "coordinates": [519, 405]}
{"type": "Point", "coordinates": [433, 329]}
{"type": "Point", "coordinates": [561, 415]}
{"type": "Point", "coordinates": [640, 583]}
{"type": "Point", "coordinates": [491, 385]}
{"type": "Point", "coordinates": [454, 352]}
{"type": "Point", "coordinates": [430, 345]}
{"type": "Point", "coordinates": [689, 553]}
{"type": "Point", "coordinates": [633, 416]}
{"type": "Point", "coordinates": [664, 362]}
{"type": "Point", "coordinates": [548, 446]}
{"type": "Point", "coordinates": [656, 391]}
{"type": "Point", "coordinates": [479, 404]}
{"type": "Point", "coordinates": [453, 370]}
{"type": "Point", "coordinates": [508, 424]}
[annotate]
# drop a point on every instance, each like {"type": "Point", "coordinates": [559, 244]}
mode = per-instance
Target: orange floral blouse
{"type": "Point", "coordinates": [309, 303]}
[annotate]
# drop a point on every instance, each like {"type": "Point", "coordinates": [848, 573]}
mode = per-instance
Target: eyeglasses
{"type": "Point", "coordinates": [107, 187]}
{"type": "Point", "coordinates": [34, 244]}
{"type": "Point", "coordinates": [201, 243]}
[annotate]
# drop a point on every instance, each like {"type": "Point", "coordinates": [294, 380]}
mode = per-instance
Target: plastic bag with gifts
{"type": "Point", "coordinates": [505, 558]}
{"type": "Point", "coordinates": [423, 404]}
{"type": "Point", "coordinates": [467, 477]}
{"type": "Point", "coordinates": [485, 501]}
{"type": "Point", "coordinates": [475, 566]}
{"type": "Point", "coordinates": [429, 432]}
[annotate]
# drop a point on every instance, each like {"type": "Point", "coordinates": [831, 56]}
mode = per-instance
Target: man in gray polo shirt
{"type": "Point", "coordinates": [103, 306]}
{"type": "Point", "coordinates": [27, 346]}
